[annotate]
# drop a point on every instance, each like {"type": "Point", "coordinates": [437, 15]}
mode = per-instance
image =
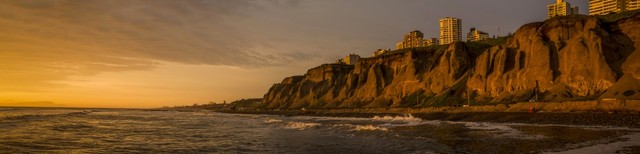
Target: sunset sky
{"type": "Point", "coordinates": [153, 53]}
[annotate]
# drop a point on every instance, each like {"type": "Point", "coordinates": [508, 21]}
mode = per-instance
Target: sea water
{"type": "Point", "coordinates": [45, 130]}
{"type": "Point", "coordinates": [137, 131]}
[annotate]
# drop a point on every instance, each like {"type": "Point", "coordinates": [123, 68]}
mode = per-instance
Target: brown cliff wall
{"type": "Point", "coordinates": [566, 58]}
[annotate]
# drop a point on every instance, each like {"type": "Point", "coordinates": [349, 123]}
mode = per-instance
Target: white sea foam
{"type": "Point", "coordinates": [407, 117]}
{"type": "Point", "coordinates": [270, 121]}
{"type": "Point", "coordinates": [203, 113]}
{"type": "Point", "coordinates": [503, 130]}
{"type": "Point", "coordinates": [369, 128]}
{"type": "Point", "coordinates": [406, 120]}
{"type": "Point", "coordinates": [301, 125]}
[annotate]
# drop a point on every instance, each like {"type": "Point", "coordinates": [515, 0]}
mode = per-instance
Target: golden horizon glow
{"type": "Point", "coordinates": [120, 53]}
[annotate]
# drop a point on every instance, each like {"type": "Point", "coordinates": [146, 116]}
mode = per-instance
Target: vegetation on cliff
{"type": "Point", "coordinates": [563, 58]}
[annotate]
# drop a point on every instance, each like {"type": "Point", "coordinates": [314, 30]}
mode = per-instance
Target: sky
{"type": "Point", "coordinates": [154, 53]}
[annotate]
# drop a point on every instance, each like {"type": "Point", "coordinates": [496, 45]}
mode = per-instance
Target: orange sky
{"type": "Point", "coordinates": [153, 53]}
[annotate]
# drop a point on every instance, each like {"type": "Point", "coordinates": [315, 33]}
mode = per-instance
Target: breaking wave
{"type": "Point", "coordinates": [42, 115]}
{"type": "Point", "coordinates": [369, 128]}
{"type": "Point", "coordinates": [301, 125]}
{"type": "Point", "coordinates": [270, 121]}
{"type": "Point", "coordinates": [405, 120]}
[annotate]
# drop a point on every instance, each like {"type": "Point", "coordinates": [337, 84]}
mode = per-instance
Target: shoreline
{"type": "Point", "coordinates": [606, 119]}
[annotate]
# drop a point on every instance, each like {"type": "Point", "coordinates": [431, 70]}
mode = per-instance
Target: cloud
{"type": "Point", "coordinates": [191, 31]}
{"type": "Point", "coordinates": [47, 41]}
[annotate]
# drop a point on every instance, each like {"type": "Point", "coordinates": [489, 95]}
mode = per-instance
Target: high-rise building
{"type": "Point", "coordinates": [561, 8]}
{"type": "Point", "coordinates": [431, 41]}
{"type": "Point", "coordinates": [476, 35]}
{"type": "Point", "coordinates": [412, 40]}
{"type": "Point", "coordinates": [633, 5]}
{"type": "Point", "coordinates": [604, 7]}
{"type": "Point", "coordinates": [450, 30]}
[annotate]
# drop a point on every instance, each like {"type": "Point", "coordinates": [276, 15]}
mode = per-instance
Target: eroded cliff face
{"type": "Point", "coordinates": [568, 58]}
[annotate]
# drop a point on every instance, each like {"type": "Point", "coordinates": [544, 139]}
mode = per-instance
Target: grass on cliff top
{"type": "Point", "coordinates": [473, 47]}
{"type": "Point", "coordinates": [476, 48]}
{"type": "Point", "coordinates": [418, 49]}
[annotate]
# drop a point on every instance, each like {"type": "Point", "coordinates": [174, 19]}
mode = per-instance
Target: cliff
{"type": "Point", "coordinates": [563, 58]}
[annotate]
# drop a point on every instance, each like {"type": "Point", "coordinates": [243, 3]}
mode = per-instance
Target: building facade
{"type": "Point", "coordinates": [633, 5]}
{"type": "Point", "coordinates": [561, 8]}
{"type": "Point", "coordinates": [412, 40]}
{"type": "Point", "coordinates": [604, 7]}
{"type": "Point", "coordinates": [350, 59]}
{"type": "Point", "coordinates": [450, 30]}
{"type": "Point", "coordinates": [380, 52]}
{"type": "Point", "coordinates": [431, 42]}
{"type": "Point", "coordinates": [476, 35]}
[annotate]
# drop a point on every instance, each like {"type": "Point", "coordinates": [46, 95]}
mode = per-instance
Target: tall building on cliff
{"type": "Point", "coordinates": [412, 40]}
{"type": "Point", "coordinates": [633, 5]}
{"type": "Point", "coordinates": [476, 35]}
{"type": "Point", "coordinates": [450, 30]}
{"type": "Point", "coordinates": [561, 8]}
{"type": "Point", "coordinates": [604, 7]}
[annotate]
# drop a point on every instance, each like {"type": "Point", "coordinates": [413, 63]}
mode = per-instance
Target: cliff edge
{"type": "Point", "coordinates": [560, 59]}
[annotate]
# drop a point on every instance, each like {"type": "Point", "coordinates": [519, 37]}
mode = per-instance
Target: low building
{"type": "Point", "coordinates": [431, 41]}
{"type": "Point", "coordinates": [561, 8]}
{"type": "Point", "coordinates": [350, 59]}
{"type": "Point", "coordinates": [380, 52]}
{"type": "Point", "coordinates": [412, 40]}
{"type": "Point", "coordinates": [476, 35]}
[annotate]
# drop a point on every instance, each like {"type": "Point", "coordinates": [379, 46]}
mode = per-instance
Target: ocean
{"type": "Point", "coordinates": [49, 130]}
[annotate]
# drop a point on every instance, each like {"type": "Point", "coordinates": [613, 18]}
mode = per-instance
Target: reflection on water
{"type": "Point", "coordinates": [104, 131]}
{"type": "Point", "coordinates": [108, 131]}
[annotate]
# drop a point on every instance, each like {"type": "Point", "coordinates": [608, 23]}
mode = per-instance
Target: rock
{"type": "Point", "coordinates": [564, 58]}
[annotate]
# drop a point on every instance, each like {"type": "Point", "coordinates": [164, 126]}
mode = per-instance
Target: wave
{"type": "Point", "coordinates": [71, 127]}
{"type": "Point", "coordinates": [270, 121]}
{"type": "Point", "coordinates": [38, 116]}
{"type": "Point", "coordinates": [6, 109]}
{"type": "Point", "coordinates": [406, 117]}
{"type": "Point", "coordinates": [369, 128]}
{"type": "Point", "coordinates": [301, 125]}
{"type": "Point", "coordinates": [405, 120]}
{"type": "Point", "coordinates": [501, 130]}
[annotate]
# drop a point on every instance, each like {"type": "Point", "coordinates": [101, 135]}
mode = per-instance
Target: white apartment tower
{"type": "Point", "coordinates": [450, 30]}
{"type": "Point", "coordinates": [561, 8]}
{"type": "Point", "coordinates": [604, 7]}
